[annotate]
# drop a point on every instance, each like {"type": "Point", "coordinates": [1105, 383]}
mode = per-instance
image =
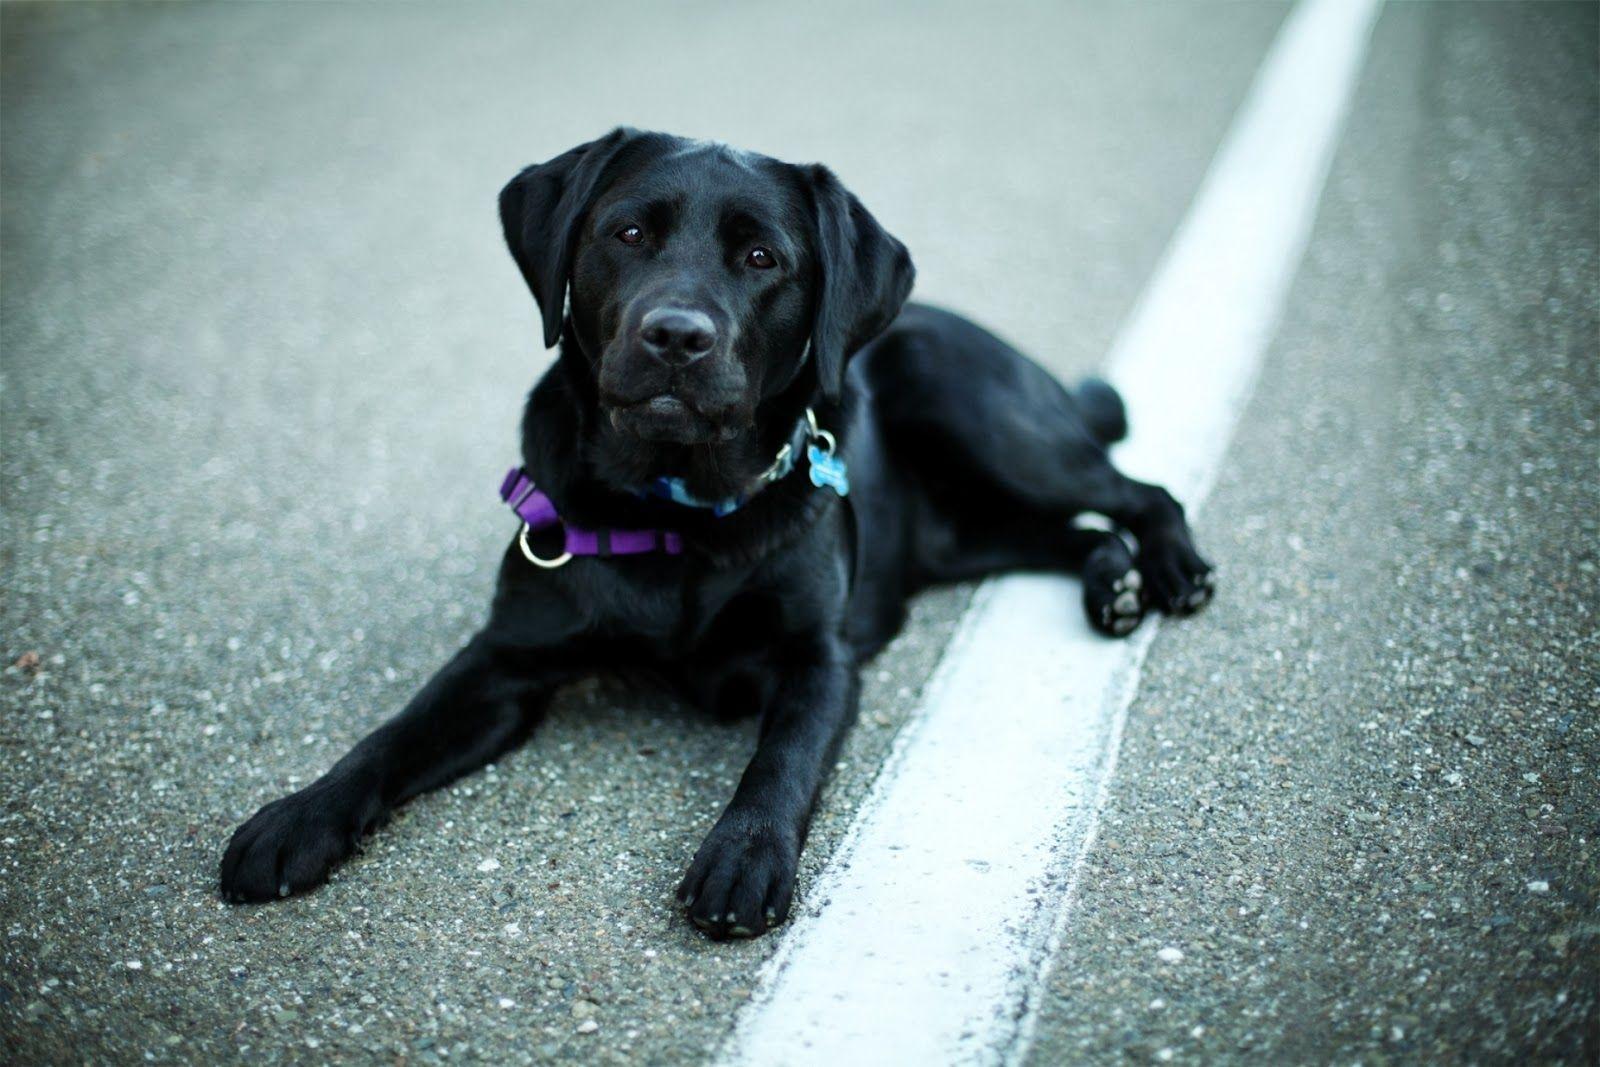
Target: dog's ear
{"type": "Point", "coordinates": [540, 210]}
{"type": "Point", "coordinates": [863, 278]}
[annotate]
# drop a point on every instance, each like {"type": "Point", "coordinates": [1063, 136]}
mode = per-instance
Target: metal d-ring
{"type": "Point", "coordinates": [817, 433]}
{"type": "Point", "coordinates": [547, 564]}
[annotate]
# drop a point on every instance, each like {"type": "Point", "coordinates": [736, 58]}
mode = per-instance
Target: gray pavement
{"type": "Point", "coordinates": [263, 357]}
{"type": "Point", "coordinates": [1361, 798]}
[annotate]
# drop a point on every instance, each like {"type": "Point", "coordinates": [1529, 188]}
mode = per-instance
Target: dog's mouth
{"type": "Point", "coordinates": [667, 419]}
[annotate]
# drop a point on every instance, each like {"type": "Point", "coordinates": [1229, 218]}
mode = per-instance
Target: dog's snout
{"type": "Point", "coordinates": [677, 335]}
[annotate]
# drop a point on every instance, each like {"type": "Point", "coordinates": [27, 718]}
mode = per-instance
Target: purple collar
{"type": "Point", "coordinates": [536, 511]}
{"type": "Point", "coordinates": [533, 507]}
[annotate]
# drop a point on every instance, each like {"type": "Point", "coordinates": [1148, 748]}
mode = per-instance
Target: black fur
{"type": "Point", "coordinates": [965, 459]}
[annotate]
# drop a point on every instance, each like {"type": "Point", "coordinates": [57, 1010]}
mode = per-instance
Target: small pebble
{"type": "Point", "coordinates": [1170, 955]}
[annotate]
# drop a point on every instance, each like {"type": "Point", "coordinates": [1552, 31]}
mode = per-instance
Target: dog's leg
{"type": "Point", "coordinates": [483, 702]}
{"type": "Point", "coordinates": [1075, 475]}
{"type": "Point", "coordinates": [1055, 476]}
{"type": "Point", "coordinates": [1176, 579]}
{"type": "Point", "coordinates": [958, 548]}
{"type": "Point", "coordinates": [741, 881]}
{"type": "Point", "coordinates": [972, 410]}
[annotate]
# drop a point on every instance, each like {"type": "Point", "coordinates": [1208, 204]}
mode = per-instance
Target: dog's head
{"type": "Point", "coordinates": [704, 282]}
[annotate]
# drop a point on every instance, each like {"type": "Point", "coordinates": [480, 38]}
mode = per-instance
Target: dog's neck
{"type": "Point", "coordinates": [716, 471]}
{"type": "Point", "coordinates": [587, 470]}
{"type": "Point", "coordinates": [558, 446]}
{"type": "Point", "coordinates": [676, 488]}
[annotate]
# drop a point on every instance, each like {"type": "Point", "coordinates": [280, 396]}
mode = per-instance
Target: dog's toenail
{"type": "Point", "coordinates": [704, 924]}
{"type": "Point", "coordinates": [1127, 603]}
{"type": "Point", "coordinates": [741, 931]}
{"type": "Point", "coordinates": [283, 889]}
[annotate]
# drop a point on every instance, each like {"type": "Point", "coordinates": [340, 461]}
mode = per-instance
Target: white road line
{"type": "Point", "coordinates": [939, 915]}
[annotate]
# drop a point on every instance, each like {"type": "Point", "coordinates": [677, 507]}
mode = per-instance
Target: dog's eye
{"type": "Point", "coordinates": [630, 235]}
{"type": "Point", "coordinates": [760, 259]}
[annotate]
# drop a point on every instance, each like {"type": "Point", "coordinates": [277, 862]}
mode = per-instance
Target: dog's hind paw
{"type": "Point", "coordinates": [1112, 586]}
{"type": "Point", "coordinates": [1115, 608]}
{"type": "Point", "coordinates": [1177, 580]}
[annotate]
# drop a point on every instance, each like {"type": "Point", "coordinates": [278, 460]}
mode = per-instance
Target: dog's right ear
{"type": "Point", "coordinates": [540, 210]}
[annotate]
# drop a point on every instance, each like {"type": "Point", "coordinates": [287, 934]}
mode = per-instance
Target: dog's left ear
{"type": "Point", "coordinates": [864, 277]}
{"type": "Point", "coordinates": [540, 210]}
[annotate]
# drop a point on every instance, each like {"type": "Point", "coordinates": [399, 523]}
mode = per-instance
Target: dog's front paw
{"type": "Point", "coordinates": [1176, 579]}
{"type": "Point", "coordinates": [290, 845]}
{"type": "Point", "coordinates": [742, 880]}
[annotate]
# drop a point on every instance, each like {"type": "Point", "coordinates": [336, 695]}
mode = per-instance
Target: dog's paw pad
{"type": "Point", "coordinates": [1115, 609]}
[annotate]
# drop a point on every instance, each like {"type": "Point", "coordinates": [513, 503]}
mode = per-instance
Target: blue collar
{"type": "Point", "coordinates": [826, 469]}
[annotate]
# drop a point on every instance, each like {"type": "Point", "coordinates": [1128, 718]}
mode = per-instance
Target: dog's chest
{"type": "Point", "coordinates": [668, 610]}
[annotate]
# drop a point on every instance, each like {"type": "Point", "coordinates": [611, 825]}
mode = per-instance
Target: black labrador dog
{"type": "Point", "coordinates": [749, 453]}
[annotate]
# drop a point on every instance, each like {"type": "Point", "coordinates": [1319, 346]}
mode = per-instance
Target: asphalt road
{"type": "Point", "coordinates": [262, 357]}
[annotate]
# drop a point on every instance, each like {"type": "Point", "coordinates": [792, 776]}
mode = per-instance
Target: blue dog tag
{"type": "Point", "coordinates": [828, 470]}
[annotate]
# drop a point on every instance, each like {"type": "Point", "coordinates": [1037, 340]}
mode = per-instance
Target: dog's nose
{"type": "Point", "coordinates": [677, 335]}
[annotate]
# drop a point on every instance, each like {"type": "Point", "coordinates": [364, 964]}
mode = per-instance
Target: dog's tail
{"type": "Point", "coordinates": [1102, 410]}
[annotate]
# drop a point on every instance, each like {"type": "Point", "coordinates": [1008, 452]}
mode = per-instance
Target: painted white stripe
{"type": "Point", "coordinates": [935, 923]}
